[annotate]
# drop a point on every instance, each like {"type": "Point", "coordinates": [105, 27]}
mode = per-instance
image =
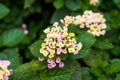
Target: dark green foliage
{"type": "Point", "coordinates": [98, 59]}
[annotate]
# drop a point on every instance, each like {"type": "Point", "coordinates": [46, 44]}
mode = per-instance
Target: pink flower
{"type": "Point", "coordinates": [59, 50]}
{"type": "Point", "coordinates": [58, 60]}
{"type": "Point", "coordinates": [5, 62]}
{"type": "Point", "coordinates": [46, 39]}
{"type": "Point", "coordinates": [50, 61]}
{"type": "Point", "coordinates": [11, 71]}
{"type": "Point", "coordinates": [87, 25]}
{"type": "Point", "coordinates": [5, 78]}
{"type": "Point", "coordinates": [82, 26]}
{"type": "Point", "coordinates": [65, 27]}
{"type": "Point", "coordinates": [61, 64]}
{"type": "Point", "coordinates": [26, 31]}
{"type": "Point", "coordinates": [64, 51]}
{"type": "Point", "coordinates": [53, 64]}
{"type": "Point", "coordinates": [50, 66]}
{"type": "Point", "coordinates": [59, 39]}
{"type": "Point", "coordinates": [24, 26]}
{"type": "Point", "coordinates": [40, 59]}
{"type": "Point", "coordinates": [76, 52]}
{"type": "Point", "coordinates": [80, 44]}
{"type": "Point", "coordinates": [103, 32]}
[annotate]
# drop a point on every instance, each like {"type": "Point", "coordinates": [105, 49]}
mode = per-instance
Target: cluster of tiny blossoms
{"type": "Point", "coordinates": [93, 21]}
{"type": "Point", "coordinates": [57, 42]}
{"type": "Point", "coordinates": [4, 71]}
{"type": "Point", "coordinates": [93, 2]}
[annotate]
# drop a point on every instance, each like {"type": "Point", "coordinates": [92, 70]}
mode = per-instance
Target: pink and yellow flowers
{"type": "Point", "coordinates": [4, 71]}
{"type": "Point", "coordinates": [57, 42]}
{"type": "Point", "coordinates": [94, 22]}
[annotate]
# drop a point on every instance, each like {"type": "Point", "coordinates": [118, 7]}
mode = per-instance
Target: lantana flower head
{"type": "Point", "coordinates": [67, 20]}
{"type": "Point", "coordinates": [58, 41]}
{"type": "Point", "coordinates": [94, 22]}
{"type": "Point", "coordinates": [4, 71]}
{"type": "Point", "coordinates": [93, 2]}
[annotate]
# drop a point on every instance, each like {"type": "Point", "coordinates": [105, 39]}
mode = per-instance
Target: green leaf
{"type": "Point", "coordinates": [104, 65]}
{"type": "Point", "coordinates": [103, 77]}
{"type": "Point", "coordinates": [117, 76]}
{"type": "Point", "coordinates": [116, 50]}
{"type": "Point", "coordinates": [115, 66]}
{"type": "Point", "coordinates": [94, 58]}
{"type": "Point", "coordinates": [63, 56]}
{"type": "Point", "coordinates": [73, 5]}
{"type": "Point", "coordinates": [28, 3]}
{"type": "Point", "coordinates": [82, 53]}
{"type": "Point", "coordinates": [85, 73]}
{"type": "Point", "coordinates": [103, 44]}
{"type": "Point", "coordinates": [12, 55]}
{"type": "Point", "coordinates": [33, 78]}
{"type": "Point", "coordinates": [59, 14]}
{"type": "Point", "coordinates": [23, 72]}
{"type": "Point", "coordinates": [56, 74]}
{"type": "Point", "coordinates": [37, 65]}
{"type": "Point", "coordinates": [96, 71]}
{"type": "Point", "coordinates": [117, 2]}
{"type": "Point", "coordinates": [11, 37]}
{"type": "Point", "coordinates": [35, 48]}
{"type": "Point", "coordinates": [58, 4]}
{"type": "Point", "coordinates": [75, 29]}
{"type": "Point", "coordinates": [74, 66]}
{"type": "Point", "coordinates": [3, 11]}
{"type": "Point", "coordinates": [86, 38]}
{"type": "Point", "coordinates": [113, 35]}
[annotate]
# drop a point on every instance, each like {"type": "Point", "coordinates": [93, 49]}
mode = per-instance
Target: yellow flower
{"type": "Point", "coordinates": [0, 65]}
{"type": "Point", "coordinates": [71, 50]}
{"type": "Point", "coordinates": [45, 53]}
{"type": "Point", "coordinates": [43, 45]}
{"type": "Point", "coordinates": [71, 34]}
{"type": "Point", "coordinates": [7, 72]}
{"type": "Point", "coordinates": [103, 26]}
{"type": "Point", "coordinates": [60, 44]}
{"type": "Point", "coordinates": [41, 50]}
{"type": "Point", "coordinates": [1, 72]}
{"type": "Point", "coordinates": [51, 55]}
{"type": "Point", "coordinates": [52, 51]}
{"type": "Point", "coordinates": [4, 67]}
{"type": "Point", "coordinates": [78, 47]}
{"type": "Point", "coordinates": [48, 35]}
{"type": "Point", "coordinates": [54, 35]}
{"type": "Point", "coordinates": [65, 34]}
{"type": "Point", "coordinates": [47, 30]}
{"type": "Point", "coordinates": [65, 30]}
{"type": "Point", "coordinates": [1, 76]}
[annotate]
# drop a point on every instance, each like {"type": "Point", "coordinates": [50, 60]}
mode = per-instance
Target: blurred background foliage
{"type": "Point", "coordinates": [102, 61]}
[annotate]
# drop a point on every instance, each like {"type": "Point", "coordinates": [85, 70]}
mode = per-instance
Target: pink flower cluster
{"type": "Point", "coordinates": [93, 21]}
{"type": "Point", "coordinates": [52, 63]}
{"type": "Point", "coordinates": [4, 71]}
{"type": "Point", "coordinates": [57, 42]}
{"type": "Point", "coordinates": [24, 26]}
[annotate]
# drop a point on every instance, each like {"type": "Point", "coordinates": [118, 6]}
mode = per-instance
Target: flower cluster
{"type": "Point", "coordinates": [4, 71]}
{"type": "Point", "coordinates": [93, 21]}
{"type": "Point", "coordinates": [26, 31]}
{"type": "Point", "coordinates": [93, 2]}
{"type": "Point", "coordinates": [68, 20]}
{"type": "Point", "coordinates": [57, 42]}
